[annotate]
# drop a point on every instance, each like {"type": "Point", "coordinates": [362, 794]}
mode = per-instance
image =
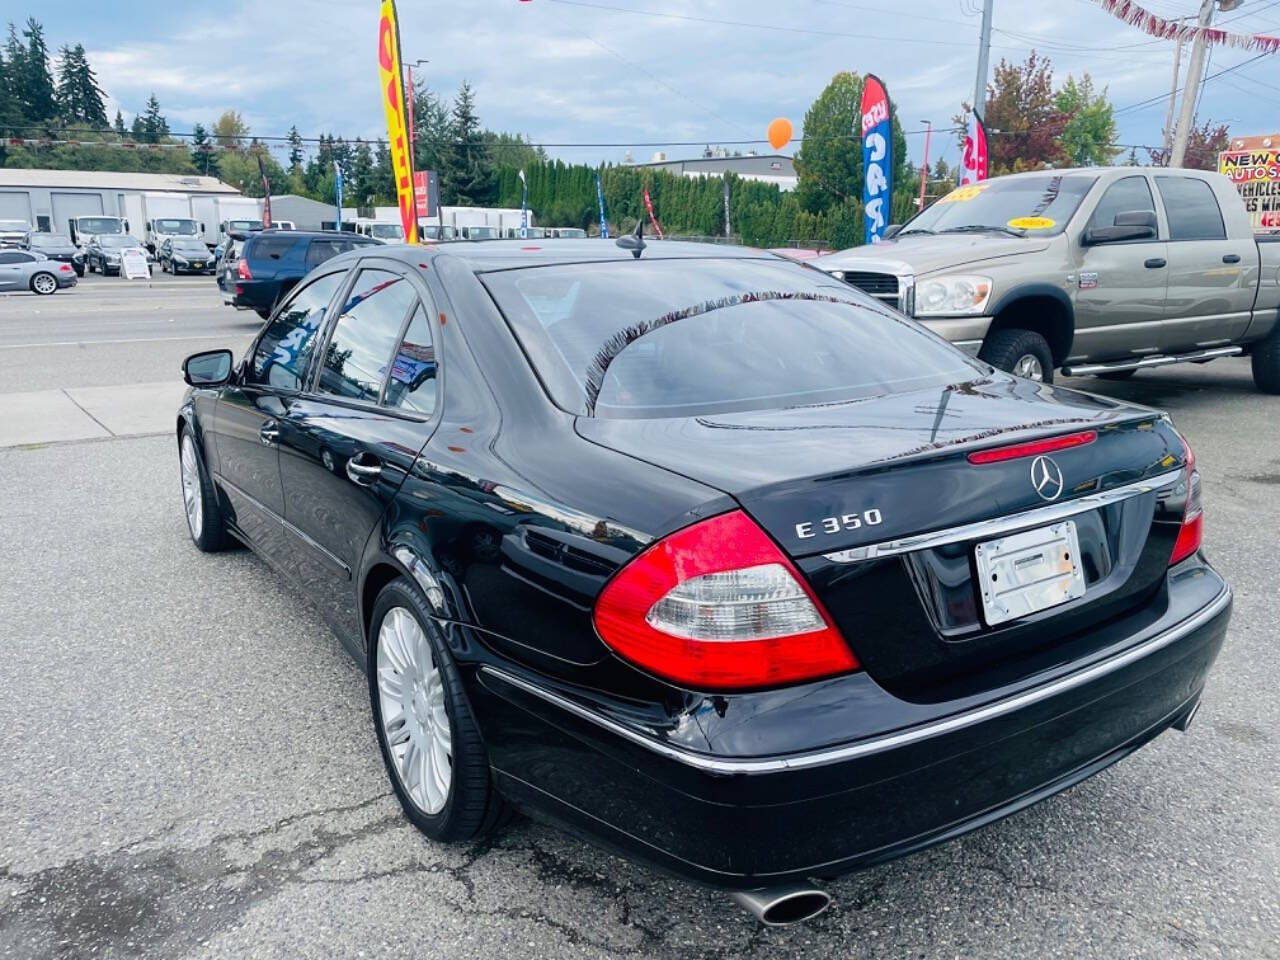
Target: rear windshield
{"type": "Point", "coordinates": [680, 337]}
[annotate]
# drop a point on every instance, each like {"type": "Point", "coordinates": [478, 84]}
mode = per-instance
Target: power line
{"type": "Point", "coordinates": [1164, 96]}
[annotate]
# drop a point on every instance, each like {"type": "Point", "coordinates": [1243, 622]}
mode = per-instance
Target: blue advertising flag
{"type": "Point", "coordinates": [604, 224]}
{"type": "Point", "coordinates": [338, 190]}
{"type": "Point", "coordinates": [877, 158]}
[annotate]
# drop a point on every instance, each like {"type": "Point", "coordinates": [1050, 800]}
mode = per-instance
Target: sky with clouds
{"type": "Point", "coordinates": [631, 72]}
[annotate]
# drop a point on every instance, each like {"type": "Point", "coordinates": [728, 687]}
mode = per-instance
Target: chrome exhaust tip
{"type": "Point", "coordinates": [782, 906]}
{"type": "Point", "coordinates": [1184, 721]}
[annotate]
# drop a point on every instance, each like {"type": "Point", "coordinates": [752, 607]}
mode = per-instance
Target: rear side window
{"type": "Point", "coordinates": [1127, 195]}
{"type": "Point", "coordinates": [1191, 208]}
{"type": "Point", "coordinates": [412, 385]}
{"type": "Point", "coordinates": [359, 350]}
{"type": "Point", "coordinates": [681, 337]}
{"type": "Point", "coordinates": [318, 251]}
{"type": "Point", "coordinates": [273, 248]}
{"type": "Point", "coordinates": [280, 360]}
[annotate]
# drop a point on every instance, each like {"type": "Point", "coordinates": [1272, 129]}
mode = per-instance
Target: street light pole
{"type": "Point", "coordinates": [984, 53]}
{"type": "Point", "coordinates": [1195, 67]}
{"type": "Point", "coordinates": [924, 169]}
{"type": "Point", "coordinates": [1173, 97]}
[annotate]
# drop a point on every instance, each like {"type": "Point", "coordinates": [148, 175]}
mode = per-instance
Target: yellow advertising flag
{"type": "Point", "coordinates": [392, 75]}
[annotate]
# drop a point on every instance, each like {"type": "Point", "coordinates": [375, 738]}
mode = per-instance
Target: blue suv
{"type": "Point", "coordinates": [273, 261]}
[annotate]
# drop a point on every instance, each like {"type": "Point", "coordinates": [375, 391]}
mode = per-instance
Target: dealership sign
{"type": "Point", "coordinates": [1253, 165]}
{"type": "Point", "coordinates": [877, 158]}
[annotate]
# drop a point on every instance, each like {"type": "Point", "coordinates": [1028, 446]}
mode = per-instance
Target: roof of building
{"type": "Point", "coordinates": [13, 178]}
{"type": "Point", "coordinates": [769, 165]}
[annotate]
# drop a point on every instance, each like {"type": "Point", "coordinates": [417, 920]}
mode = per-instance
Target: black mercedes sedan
{"type": "Point", "coordinates": [702, 553]}
{"type": "Point", "coordinates": [58, 247]}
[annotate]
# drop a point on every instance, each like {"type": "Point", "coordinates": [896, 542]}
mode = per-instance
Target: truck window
{"type": "Point", "coordinates": [262, 247]}
{"type": "Point", "coordinates": [1191, 208]}
{"type": "Point", "coordinates": [1126, 195]}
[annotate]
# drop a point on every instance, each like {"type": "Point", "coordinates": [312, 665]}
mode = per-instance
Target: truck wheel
{"type": "Point", "coordinates": [1024, 353]}
{"type": "Point", "coordinates": [1266, 362]}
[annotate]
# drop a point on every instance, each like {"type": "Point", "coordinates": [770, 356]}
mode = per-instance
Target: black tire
{"type": "Point", "coordinates": [89, 266]}
{"type": "Point", "coordinates": [1117, 374]}
{"type": "Point", "coordinates": [79, 270]}
{"type": "Point", "coordinates": [1006, 349]}
{"type": "Point", "coordinates": [43, 284]}
{"type": "Point", "coordinates": [213, 528]}
{"type": "Point", "coordinates": [472, 807]}
{"type": "Point", "coordinates": [1266, 362]}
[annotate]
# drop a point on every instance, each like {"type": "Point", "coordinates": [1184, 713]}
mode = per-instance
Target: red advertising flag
{"type": "Point", "coordinates": [974, 162]}
{"type": "Point", "coordinates": [421, 206]}
{"type": "Point", "coordinates": [266, 194]}
{"type": "Point", "coordinates": [649, 206]}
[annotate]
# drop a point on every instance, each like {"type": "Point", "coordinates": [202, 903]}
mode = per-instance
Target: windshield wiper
{"type": "Point", "coordinates": [985, 228]}
{"type": "Point", "coordinates": [903, 233]}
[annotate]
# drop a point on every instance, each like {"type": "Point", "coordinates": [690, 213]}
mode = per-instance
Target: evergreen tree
{"type": "Point", "coordinates": [154, 126]}
{"type": "Point", "coordinates": [78, 93]}
{"type": "Point", "coordinates": [364, 187]}
{"type": "Point", "coordinates": [136, 130]}
{"type": "Point", "coordinates": [35, 81]}
{"type": "Point", "coordinates": [202, 153]}
{"type": "Point", "coordinates": [468, 175]}
{"type": "Point", "coordinates": [384, 178]}
{"type": "Point", "coordinates": [10, 108]}
{"type": "Point", "coordinates": [295, 150]}
{"type": "Point", "coordinates": [229, 130]}
{"type": "Point", "coordinates": [119, 124]}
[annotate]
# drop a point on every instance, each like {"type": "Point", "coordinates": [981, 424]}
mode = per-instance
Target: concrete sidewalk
{"type": "Point", "coordinates": [88, 413]}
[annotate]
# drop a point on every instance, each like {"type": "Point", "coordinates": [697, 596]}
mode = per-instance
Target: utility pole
{"type": "Point", "coordinates": [984, 53]}
{"type": "Point", "coordinates": [1195, 67]}
{"type": "Point", "coordinates": [924, 170]}
{"type": "Point", "coordinates": [1173, 97]}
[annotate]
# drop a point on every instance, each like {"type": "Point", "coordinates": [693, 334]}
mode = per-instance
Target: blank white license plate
{"type": "Point", "coordinates": [1030, 571]}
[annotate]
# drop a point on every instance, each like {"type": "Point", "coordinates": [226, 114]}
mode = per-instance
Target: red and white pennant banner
{"type": "Point", "coordinates": [1138, 16]}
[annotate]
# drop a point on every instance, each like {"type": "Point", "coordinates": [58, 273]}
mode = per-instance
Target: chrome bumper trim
{"type": "Point", "coordinates": [892, 741]}
{"type": "Point", "coordinates": [984, 529]}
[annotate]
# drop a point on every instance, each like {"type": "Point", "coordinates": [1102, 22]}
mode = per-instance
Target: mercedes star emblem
{"type": "Point", "coordinates": [1046, 477]}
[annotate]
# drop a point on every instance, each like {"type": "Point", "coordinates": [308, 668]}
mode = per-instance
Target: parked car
{"type": "Point", "coordinates": [703, 553]}
{"type": "Point", "coordinates": [1103, 270]}
{"type": "Point", "coordinates": [185, 255]}
{"type": "Point", "coordinates": [13, 232]}
{"type": "Point", "coordinates": [56, 246]}
{"type": "Point", "coordinates": [104, 251]}
{"type": "Point", "coordinates": [271, 262]}
{"type": "Point", "coordinates": [28, 270]}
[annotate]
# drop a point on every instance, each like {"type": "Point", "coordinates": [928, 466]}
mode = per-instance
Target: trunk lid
{"type": "Point", "coordinates": [827, 480]}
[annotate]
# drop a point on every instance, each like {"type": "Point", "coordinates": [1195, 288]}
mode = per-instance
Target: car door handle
{"type": "Point", "coordinates": [1155, 263]}
{"type": "Point", "coordinates": [269, 433]}
{"type": "Point", "coordinates": [363, 468]}
{"type": "Point", "coordinates": [1231, 258]}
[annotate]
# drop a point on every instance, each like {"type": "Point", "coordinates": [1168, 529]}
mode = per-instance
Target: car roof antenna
{"type": "Point", "coordinates": [633, 241]}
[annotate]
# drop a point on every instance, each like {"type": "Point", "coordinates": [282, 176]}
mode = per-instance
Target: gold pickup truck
{"type": "Point", "coordinates": [1103, 271]}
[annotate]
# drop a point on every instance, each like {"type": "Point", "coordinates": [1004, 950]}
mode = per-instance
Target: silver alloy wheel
{"type": "Point", "coordinates": [191, 496]}
{"type": "Point", "coordinates": [44, 283]}
{"type": "Point", "coordinates": [414, 719]}
{"type": "Point", "coordinates": [1028, 366]}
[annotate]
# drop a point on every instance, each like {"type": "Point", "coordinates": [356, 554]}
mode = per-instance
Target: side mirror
{"type": "Point", "coordinates": [126, 226]}
{"type": "Point", "coordinates": [211, 368]}
{"type": "Point", "coordinates": [891, 231]}
{"type": "Point", "coordinates": [1129, 225]}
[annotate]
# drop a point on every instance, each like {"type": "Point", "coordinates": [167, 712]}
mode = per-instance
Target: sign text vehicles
{"type": "Point", "coordinates": [1253, 165]}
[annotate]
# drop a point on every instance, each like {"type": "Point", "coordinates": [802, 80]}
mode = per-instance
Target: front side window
{"type": "Point", "coordinates": [412, 385]}
{"type": "Point", "coordinates": [359, 350]}
{"type": "Point", "coordinates": [1127, 195]}
{"type": "Point", "coordinates": [280, 360]}
{"type": "Point", "coordinates": [1191, 208]}
{"type": "Point", "coordinates": [684, 337]}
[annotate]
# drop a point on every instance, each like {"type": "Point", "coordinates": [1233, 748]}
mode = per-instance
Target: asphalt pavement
{"type": "Point", "coordinates": [190, 771]}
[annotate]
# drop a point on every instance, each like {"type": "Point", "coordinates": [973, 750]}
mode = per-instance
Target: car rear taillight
{"type": "Point", "coordinates": [1192, 531]}
{"type": "Point", "coordinates": [1033, 448]}
{"type": "Point", "coordinates": [718, 606]}
{"type": "Point", "coordinates": [243, 271]}
{"type": "Point", "coordinates": [64, 268]}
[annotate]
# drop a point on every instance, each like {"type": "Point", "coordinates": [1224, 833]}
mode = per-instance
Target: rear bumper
{"type": "Point", "coordinates": [748, 821]}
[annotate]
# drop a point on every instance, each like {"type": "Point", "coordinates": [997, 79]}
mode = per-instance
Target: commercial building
{"type": "Point", "coordinates": [775, 168]}
{"type": "Point", "coordinates": [49, 199]}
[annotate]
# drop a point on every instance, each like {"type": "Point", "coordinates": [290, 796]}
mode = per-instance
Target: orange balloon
{"type": "Point", "coordinates": [779, 133]}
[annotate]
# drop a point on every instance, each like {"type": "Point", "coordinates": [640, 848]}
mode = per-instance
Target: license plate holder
{"type": "Point", "coordinates": [1027, 572]}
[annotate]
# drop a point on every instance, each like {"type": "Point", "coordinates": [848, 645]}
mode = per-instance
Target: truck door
{"type": "Point", "coordinates": [1121, 286]}
{"type": "Point", "coordinates": [1212, 279]}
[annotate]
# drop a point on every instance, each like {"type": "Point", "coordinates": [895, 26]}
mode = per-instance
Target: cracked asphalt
{"type": "Point", "coordinates": [189, 768]}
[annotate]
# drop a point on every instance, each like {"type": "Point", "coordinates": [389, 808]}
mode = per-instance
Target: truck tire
{"type": "Point", "coordinates": [1023, 353]}
{"type": "Point", "coordinates": [1266, 362]}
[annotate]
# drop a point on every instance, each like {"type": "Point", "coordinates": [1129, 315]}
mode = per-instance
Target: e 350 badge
{"type": "Point", "coordinates": [833, 525]}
